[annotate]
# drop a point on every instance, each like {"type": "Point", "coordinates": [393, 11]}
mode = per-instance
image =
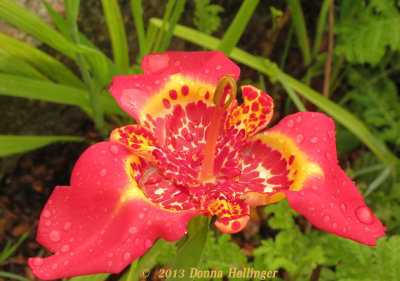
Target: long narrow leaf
{"type": "Point", "coordinates": [12, 276]}
{"type": "Point", "coordinates": [300, 29]}
{"type": "Point", "coordinates": [269, 68]}
{"type": "Point", "coordinates": [168, 11]}
{"type": "Point", "coordinates": [138, 19]}
{"type": "Point", "coordinates": [46, 64]}
{"type": "Point", "coordinates": [237, 26]}
{"type": "Point", "coordinates": [8, 251]}
{"type": "Point", "coordinates": [320, 26]}
{"type": "Point", "coordinates": [11, 144]}
{"type": "Point", "coordinates": [13, 65]}
{"type": "Point", "coordinates": [32, 24]}
{"type": "Point", "coordinates": [93, 277]}
{"type": "Point", "coordinates": [117, 33]}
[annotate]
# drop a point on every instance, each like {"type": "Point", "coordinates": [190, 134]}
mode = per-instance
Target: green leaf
{"type": "Point", "coordinates": [46, 64]}
{"type": "Point", "coordinates": [17, 86]}
{"type": "Point", "coordinates": [32, 24]}
{"type": "Point", "coordinates": [93, 277]}
{"type": "Point", "coordinates": [137, 12]}
{"type": "Point", "coordinates": [300, 29]}
{"type": "Point", "coordinates": [13, 276]}
{"type": "Point", "coordinates": [8, 249]}
{"type": "Point", "coordinates": [206, 17]}
{"type": "Point", "coordinates": [117, 33]}
{"type": "Point", "coordinates": [13, 65]}
{"type": "Point", "coordinates": [271, 69]}
{"type": "Point", "coordinates": [185, 259]}
{"type": "Point", "coordinates": [237, 26]}
{"type": "Point", "coordinates": [11, 144]}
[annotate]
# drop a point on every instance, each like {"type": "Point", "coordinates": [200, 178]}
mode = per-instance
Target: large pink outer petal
{"type": "Point", "coordinates": [102, 222]}
{"type": "Point", "coordinates": [134, 92]}
{"type": "Point", "coordinates": [329, 201]}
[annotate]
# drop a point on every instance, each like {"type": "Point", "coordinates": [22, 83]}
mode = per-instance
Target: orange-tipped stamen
{"type": "Point", "coordinates": [220, 96]}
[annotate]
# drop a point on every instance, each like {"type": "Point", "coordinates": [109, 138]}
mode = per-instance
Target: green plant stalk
{"type": "Point", "coordinates": [300, 29]}
{"type": "Point", "coordinates": [237, 27]}
{"type": "Point", "coordinates": [378, 181]}
{"type": "Point", "coordinates": [320, 26]}
{"type": "Point", "coordinates": [271, 69]}
{"type": "Point", "coordinates": [137, 12]}
{"type": "Point", "coordinates": [176, 14]}
{"type": "Point", "coordinates": [72, 9]}
{"type": "Point", "coordinates": [117, 33]}
{"type": "Point", "coordinates": [12, 276]}
{"type": "Point", "coordinates": [300, 106]}
{"type": "Point", "coordinates": [165, 23]}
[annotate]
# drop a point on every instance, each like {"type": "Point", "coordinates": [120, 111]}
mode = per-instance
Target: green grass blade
{"type": "Point", "coordinates": [46, 64]}
{"type": "Point", "coordinates": [12, 65]}
{"type": "Point", "coordinates": [117, 33]}
{"type": "Point", "coordinates": [168, 11]}
{"type": "Point", "coordinates": [32, 24]}
{"type": "Point", "coordinates": [293, 96]}
{"type": "Point", "coordinates": [16, 86]}
{"type": "Point", "coordinates": [137, 12]}
{"type": "Point", "coordinates": [378, 181]}
{"type": "Point", "coordinates": [185, 259]}
{"type": "Point", "coordinates": [237, 27]}
{"type": "Point", "coordinates": [12, 276]}
{"type": "Point", "coordinates": [8, 251]}
{"type": "Point", "coordinates": [177, 12]}
{"type": "Point", "coordinates": [269, 68]}
{"type": "Point", "coordinates": [300, 29]}
{"type": "Point", "coordinates": [320, 26]}
{"type": "Point", "coordinates": [93, 277]}
{"type": "Point", "coordinates": [11, 144]}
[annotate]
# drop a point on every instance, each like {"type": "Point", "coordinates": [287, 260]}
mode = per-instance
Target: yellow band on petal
{"type": "Point", "coordinates": [302, 168]}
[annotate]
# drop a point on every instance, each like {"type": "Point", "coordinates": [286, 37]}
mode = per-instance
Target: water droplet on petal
{"type": "Point", "coordinates": [65, 248]}
{"type": "Point", "coordinates": [38, 261]}
{"type": "Point", "coordinates": [326, 219]}
{"type": "Point", "coordinates": [47, 223]}
{"type": "Point", "coordinates": [55, 236]}
{"type": "Point", "coordinates": [206, 70]}
{"type": "Point", "coordinates": [343, 207]}
{"type": "Point", "coordinates": [103, 172]}
{"type": "Point", "coordinates": [127, 256]}
{"type": "Point", "coordinates": [290, 123]}
{"type": "Point", "coordinates": [148, 243]}
{"type": "Point", "coordinates": [365, 215]}
{"type": "Point", "coordinates": [218, 67]}
{"type": "Point", "coordinates": [298, 119]}
{"type": "Point", "coordinates": [67, 225]}
{"type": "Point", "coordinates": [66, 262]}
{"type": "Point", "coordinates": [366, 229]}
{"type": "Point", "coordinates": [54, 266]}
{"type": "Point", "coordinates": [132, 230]}
{"type": "Point", "coordinates": [314, 140]}
{"type": "Point", "coordinates": [46, 213]}
{"type": "Point", "coordinates": [344, 229]}
{"type": "Point", "coordinates": [141, 216]}
{"type": "Point", "coordinates": [334, 225]}
{"type": "Point", "coordinates": [114, 149]}
{"type": "Point", "coordinates": [110, 263]}
{"type": "Point", "coordinates": [314, 187]}
{"type": "Point", "coordinates": [299, 138]}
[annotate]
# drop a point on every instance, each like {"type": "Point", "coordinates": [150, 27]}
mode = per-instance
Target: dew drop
{"type": "Point", "coordinates": [177, 63]}
{"type": "Point", "coordinates": [206, 70]}
{"type": "Point", "coordinates": [137, 241]}
{"type": "Point", "coordinates": [110, 255]}
{"type": "Point", "coordinates": [314, 187]}
{"type": "Point", "coordinates": [132, 230]}
{"type": "Point", "coordinates": [290, 123]}
{"type": "Point", "coordinates": [218, 67]}
{"type": "Point", "coordinates": [38, 261]}
{"type": "Point", "coordinates": [67, 225]}
{"type": "Point", "coordinates": [47, 223]}
{"type": "Point", "coordinates": [66, 262]}
{"type": "Point", "coordinates": [141, 216]}
{"type": "Point", "coordinates": [343, 207]}
{"type": "Point", "coordinates": [148, 243]}
{"type": "Point", "coordinates": [46, 213]}
{"type": "Point", "coordinates": [344, 229]}
{"type": "Point", "coordinates": [114, 149]}
{"type": "Point", "coordinates": [157, 82]}
{"type": "Point", "coordinates": [127, 256]}
{"type": "Point", "coordinates": [299, 138]}
{"type": "Point", "coordinates": [314, 140]}
{"type": "Point", "coordinates": [327, 219]}
{"type": "Point", "coordinates": [110, 263]}
{"type": "Point", "coordinates": [298, 119]}
{"type": "Point", "coordinates": [103, 172]}
{"type": "Point", "coordinates": [332, 205]}
{"type": "Point", "coordinates": [365, 215]}
{"type": "Point", "coordinates": [54, 266]}
{"type": "Point", "coordinates": [302, 192]}
{"type": "Point", "coordinates": [65, 248]}
{"type": "Point", "coordinates": [55, 236]}
{"type": "Point", "coordinates": [334, 225]}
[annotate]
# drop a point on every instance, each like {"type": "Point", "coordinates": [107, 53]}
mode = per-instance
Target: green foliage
{"type": "Point", "coordinates": [356, 262]}
{"type": "Point", "coordinates": [291, 250]}
{"type": "Point", "coordinates": [366, 29]}
{"type": "Point", "coordinates": [206, 17]}
{"type": "Point", "coordinates": [375, 99]}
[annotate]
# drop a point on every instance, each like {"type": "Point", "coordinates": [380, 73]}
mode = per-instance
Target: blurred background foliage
{"type": "Point", "coordinates": [338, 57]}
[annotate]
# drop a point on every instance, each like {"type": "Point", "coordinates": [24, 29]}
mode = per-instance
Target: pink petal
{"type": "Point", "coordinates": [320, 191]}
{"type": "Point", "coordinates": [103, 221]}
{"type": "Point", "coordinates": [170, 78]}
